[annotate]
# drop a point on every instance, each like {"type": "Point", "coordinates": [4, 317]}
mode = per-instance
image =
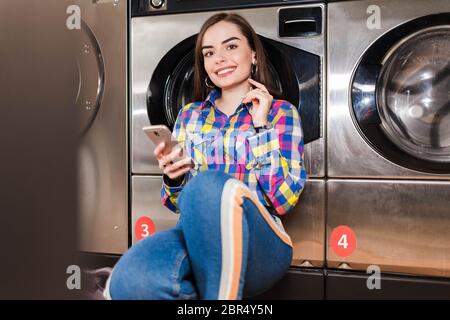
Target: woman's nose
{"type": "Point", "coordinates": [220, 58]}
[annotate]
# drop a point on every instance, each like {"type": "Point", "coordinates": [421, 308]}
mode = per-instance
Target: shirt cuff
{"type": "Point", "coordinates": [171, 190]}
{"type": "Point", "coordinates": [262, 145]}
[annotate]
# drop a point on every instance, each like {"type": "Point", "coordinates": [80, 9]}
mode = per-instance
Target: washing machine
{"type": "Point", "coordinates": [163, 37]}
{"type": "Point", "coordinates": [99, 30]}
{"type": "Point", "coordinates": [388, 134]}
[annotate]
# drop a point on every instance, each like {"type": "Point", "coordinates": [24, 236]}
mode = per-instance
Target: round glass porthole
{"type": "Point", "coordinates": [413, 94]}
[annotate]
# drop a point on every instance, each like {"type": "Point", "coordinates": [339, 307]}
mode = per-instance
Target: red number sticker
{"type": "Point", "coordinates": [144, 227]}
{"type": "Point", "coordinates": [343, 241]}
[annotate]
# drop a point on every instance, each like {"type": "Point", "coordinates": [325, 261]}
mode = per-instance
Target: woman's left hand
{"type": "Point", "coordinates": [262, 101]}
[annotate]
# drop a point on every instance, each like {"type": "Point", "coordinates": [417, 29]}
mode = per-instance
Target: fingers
{"type": "Point", "coordinates": [174, 160]}
{"type": "Point", "coordinates": [159, 150]}
{"type": "Point", "coordinates": [178, 173]}
{"type": "Point", "coordinates": [175, 153]}
{"type": "Point", "coordinates": [161, 164]}
{"type": "Point", "coordinates": [177, 169]}
{"type": "Point", "coordinates": [255, 94]}
{"type": "Point", "coordinates": [258, 85]}
{"type": "Point", "coordinates": [173, 168]}
{"type": "Point", "coordinates": [159, 154]}
{"type": "Point", "coordinates": [166, 161]}
{"type": "Point", "coordinates": [250, 95]}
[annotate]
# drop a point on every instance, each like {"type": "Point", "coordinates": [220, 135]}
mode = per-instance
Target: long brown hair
{"type": "Point", "coordinates": [262, 74]}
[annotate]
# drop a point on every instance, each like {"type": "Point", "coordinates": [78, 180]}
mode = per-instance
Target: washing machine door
{"type": "Point", "coordinates": [91, 77]}
{"type": "Point", "coordinates": [101, 102]}
{"type": "Point", "coordinates": [401, 95]}
{"type": "Point", "coordinates": [295, 74]}
{"type": "Point", "coordinates": [414, 94]}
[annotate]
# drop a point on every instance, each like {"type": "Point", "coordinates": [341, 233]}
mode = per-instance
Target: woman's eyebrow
{"type": "Point", "coordinates": [223, 42]}
{"type": "Point", "coordinates": [230, 39]}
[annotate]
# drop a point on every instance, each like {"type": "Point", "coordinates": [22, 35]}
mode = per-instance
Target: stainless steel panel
{"type": "Point", "coordinates": [401, 226]}
{"type": "Point", "coordinates": [146, 202]}
{"type": "Point", "coordinates": [103, 167]}
{"type": "Point", "coordinates": [348, 37]}
{"type": "Point", "coordinates": [315, 158]}
{"type": "Point", "coordinates": [152, 37]}
{"type": "Point", "coordinates": [306, 226]}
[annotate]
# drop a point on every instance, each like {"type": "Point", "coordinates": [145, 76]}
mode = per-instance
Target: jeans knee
{"type": "Point", "coordinates": [203, 191]}
{"type": "Point", "coordinates": [153, 269]}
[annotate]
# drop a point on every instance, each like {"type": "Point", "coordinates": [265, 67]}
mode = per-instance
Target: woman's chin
{"type": "Point", "coordinates": [229, 84]}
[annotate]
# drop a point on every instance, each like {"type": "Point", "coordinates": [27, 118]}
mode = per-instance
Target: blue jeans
{"type": "Point", "coordinates": [226, 245]}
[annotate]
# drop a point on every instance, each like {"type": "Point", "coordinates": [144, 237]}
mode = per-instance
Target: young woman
{"type": "Point", "coordinates": [241, 168]}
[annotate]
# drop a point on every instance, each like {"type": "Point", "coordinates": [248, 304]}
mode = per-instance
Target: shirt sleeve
{"type": "Point", "coordinates": [278, 157]}
{"type": "Point", "coordinates": [169, 195]}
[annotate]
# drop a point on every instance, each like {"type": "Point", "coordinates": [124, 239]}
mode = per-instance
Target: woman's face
{"type": "Point", "coordinates": [227, 55]}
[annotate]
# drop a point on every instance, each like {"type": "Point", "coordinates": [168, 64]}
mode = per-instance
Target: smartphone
{"type": "Point", "coordinates": [160, 133]}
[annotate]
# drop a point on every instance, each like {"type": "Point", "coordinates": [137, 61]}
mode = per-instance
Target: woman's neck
{"type": "Point", "coordinates": [231, 98]}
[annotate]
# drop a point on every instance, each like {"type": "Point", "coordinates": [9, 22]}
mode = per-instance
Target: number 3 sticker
{"type": "Point", "coordinates": [144, 227]}
{"type": "Point", "coordinates": [343, 241]}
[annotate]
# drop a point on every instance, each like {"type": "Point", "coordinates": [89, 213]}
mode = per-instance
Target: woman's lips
{"type": "Point", "coordinates": [225, 72]}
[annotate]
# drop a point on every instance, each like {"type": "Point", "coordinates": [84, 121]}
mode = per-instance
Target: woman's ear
{"type": "Point", "coordinates": [254, 58]}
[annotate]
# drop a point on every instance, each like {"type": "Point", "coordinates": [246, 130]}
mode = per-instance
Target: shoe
{"type": "Point", "coordinates": [94, 283]}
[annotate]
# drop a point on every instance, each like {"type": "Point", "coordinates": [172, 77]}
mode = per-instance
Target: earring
{"type": "Point", "coordinates": [207, 84]}
{"type": "Point", "coordinates": [254, 69]}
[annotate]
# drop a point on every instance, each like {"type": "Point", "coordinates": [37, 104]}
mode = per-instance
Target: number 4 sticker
{"type": "Point", "coordinates": [343, 241]}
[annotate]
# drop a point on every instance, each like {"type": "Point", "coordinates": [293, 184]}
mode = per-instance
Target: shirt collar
{"type": "Point", "coordinates": [213, 95]}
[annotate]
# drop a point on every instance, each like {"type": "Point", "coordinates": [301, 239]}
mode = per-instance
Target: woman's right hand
{"type": "Point", "coordinates": [174, 163]}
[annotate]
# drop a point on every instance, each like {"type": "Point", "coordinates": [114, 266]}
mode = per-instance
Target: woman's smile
{"type": "Point", "coordinates": [225, 71]}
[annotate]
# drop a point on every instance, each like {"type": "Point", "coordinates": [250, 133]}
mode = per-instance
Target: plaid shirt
{"type": "Point", "coordinates": [270, 162]}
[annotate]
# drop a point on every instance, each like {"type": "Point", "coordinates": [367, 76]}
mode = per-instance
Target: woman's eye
{"type": "Point", "coordinates": [208, 54]}
{"type": "Point", "coordinates": [232, 46]}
